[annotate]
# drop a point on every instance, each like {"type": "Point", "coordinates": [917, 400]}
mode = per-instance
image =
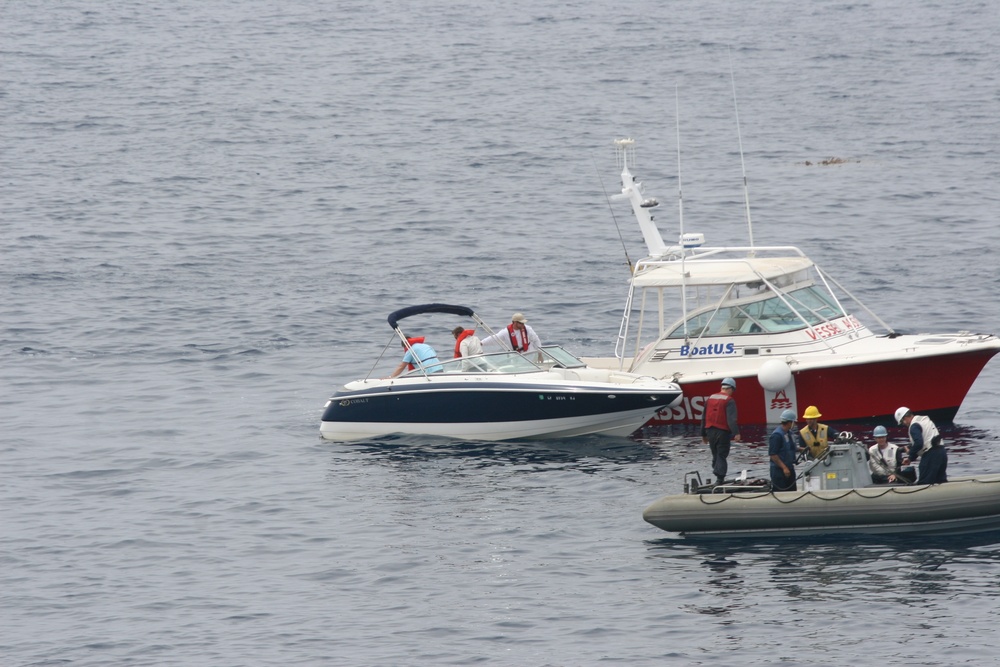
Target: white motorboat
{"type": "Point", "coordinates": [836, 496]}
{"type": "Point", "coordinates": [499, 396]}
{"type": "Point", "coordinates": [771, 319]}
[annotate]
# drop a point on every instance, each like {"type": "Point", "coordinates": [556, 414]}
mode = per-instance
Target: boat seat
{"type": "Point", "coordinates": [475, 367]}
{"type": "Point", "coordinates": [736, 325]}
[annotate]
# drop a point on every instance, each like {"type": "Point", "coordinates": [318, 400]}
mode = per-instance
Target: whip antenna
{"type": "Point", "coordinates": [680, 211]}
{"type": "Point", "coordinates": [739, 136]}
{"type": "Point", "coordinates": [611, 208]}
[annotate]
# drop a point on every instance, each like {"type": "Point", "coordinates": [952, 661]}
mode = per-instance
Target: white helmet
{"type": "Point", "coordinates": [900, 413]}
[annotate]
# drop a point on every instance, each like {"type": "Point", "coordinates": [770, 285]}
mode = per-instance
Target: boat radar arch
{"type": "Point", "coordinates": [632, 191]}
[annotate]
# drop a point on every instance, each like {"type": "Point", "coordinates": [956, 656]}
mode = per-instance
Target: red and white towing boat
{"type": "Point", "coordinates": [775, 322]}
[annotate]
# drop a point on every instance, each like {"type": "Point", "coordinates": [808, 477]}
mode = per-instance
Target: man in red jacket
{"type": "Point", "coordinates": [719, 427]}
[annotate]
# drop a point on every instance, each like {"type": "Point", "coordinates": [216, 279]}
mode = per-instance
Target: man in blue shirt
{"type": "Point", "coordinates": [782, 450]}
{"type": "Point", "coordinates": [418, 350]}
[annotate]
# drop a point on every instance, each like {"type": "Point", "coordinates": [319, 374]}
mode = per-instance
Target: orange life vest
{"type": "Point", "coordinates": [458, 341]}
{"type": "Point", "coordinates": [413, 341]}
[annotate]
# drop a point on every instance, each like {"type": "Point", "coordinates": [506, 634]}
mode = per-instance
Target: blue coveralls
{"type": "Point", "coordinates": [782, 443]}
{"type": "Point", "coordinates": [933, 468]}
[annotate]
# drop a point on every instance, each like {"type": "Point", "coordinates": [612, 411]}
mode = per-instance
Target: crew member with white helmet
{"type": "Point", "coordinates": [925, 443]}
{"type": "Point", "coordinates": [782, 450]}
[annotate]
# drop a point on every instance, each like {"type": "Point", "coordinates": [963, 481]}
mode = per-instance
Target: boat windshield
{"type": "Point", "coordinates": [771, 315]}
{"type": "Point", "coordinates": [557, 356]}
{"type": "Point", "coordinates": [550, 356]}
{"type": "Point", "coordinates": [500, 362]}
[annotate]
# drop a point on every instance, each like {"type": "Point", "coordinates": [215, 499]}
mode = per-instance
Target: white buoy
{"type": "Point", "coordinates": [774, 375]}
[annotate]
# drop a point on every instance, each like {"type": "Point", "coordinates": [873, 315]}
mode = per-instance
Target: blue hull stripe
{"type": "Point", "coordinates": [464, 404]}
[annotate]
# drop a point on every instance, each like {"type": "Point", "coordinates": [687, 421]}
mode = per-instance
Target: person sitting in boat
{"type": "Point", "coordinates": [888, 461]}
{"type": "Point", "coordinates": [782, 450]}
{"type": "Point", "coordinates": [467, 343]}
{"type": "Point", "coordinates": [419, 350]}
{"type": "Point", "coordinates": [516, 336]}
{"type": "Point", "coordinates": [925, 444]}
{"type": "Point", "coordinates": [816, 436]}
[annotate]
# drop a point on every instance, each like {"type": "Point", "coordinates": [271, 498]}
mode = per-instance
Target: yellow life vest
{"type": "Point", "coordinates": [817, 444]}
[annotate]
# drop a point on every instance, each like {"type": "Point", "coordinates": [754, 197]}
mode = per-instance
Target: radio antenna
{"type": "Point", "coordinates": [680, 191]}
{"type": "Point", "coordinates": [680, 210]}
{"type": "Point", "coordinates": [739, 136]}
{"type": "Point", "coordinates": [611, 208]}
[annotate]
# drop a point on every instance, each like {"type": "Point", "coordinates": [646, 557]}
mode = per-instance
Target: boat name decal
{"type": "Point", "coordinates": [831, 329]}
{"type": "Point", "coordinates": [714, 348]}
{"type": "Point", "coordinates": [347, 401]}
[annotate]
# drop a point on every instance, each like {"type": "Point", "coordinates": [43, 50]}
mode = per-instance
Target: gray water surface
{"type": "Point", "coordinates": [209, 209]}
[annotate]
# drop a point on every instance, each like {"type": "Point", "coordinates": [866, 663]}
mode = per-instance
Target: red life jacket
{"type": "Point", "coordinates": [513, 333]}
{"type": "Point", "coordinates": [458, 341]}
{"type": "Point", "coordinates": [413, 341]}
{"type": "Point", "coordinates": [715, 411]}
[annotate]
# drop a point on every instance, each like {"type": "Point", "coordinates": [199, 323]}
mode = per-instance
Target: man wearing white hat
{"type": "Point", "coordinates": [516, 336]}
{"type": "Point", "coordinates": [925, 444]}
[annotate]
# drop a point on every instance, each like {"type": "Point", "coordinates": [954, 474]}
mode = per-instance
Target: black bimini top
{"type": "Point", "coordinates": [409, 311]}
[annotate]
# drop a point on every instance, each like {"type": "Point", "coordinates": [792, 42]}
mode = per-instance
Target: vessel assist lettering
{"type": "Point", "coordinates": [690, 408]}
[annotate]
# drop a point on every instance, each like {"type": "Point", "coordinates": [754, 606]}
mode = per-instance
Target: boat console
{"type": "Point", "coordinates": [843, 466]}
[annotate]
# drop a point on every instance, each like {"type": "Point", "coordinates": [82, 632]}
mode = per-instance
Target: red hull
{"type": "Point", "coordinates": [934, 386]}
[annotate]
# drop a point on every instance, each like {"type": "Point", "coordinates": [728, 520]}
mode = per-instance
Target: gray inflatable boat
{"type": "Point", "coordinates": [836, 496]}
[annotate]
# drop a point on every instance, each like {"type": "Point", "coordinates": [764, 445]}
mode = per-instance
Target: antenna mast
{"type": "Point", "coordinates": [739, 136]}
{"type": "Point", "coordinates": [621, 238]}
{"type": "Point", "coordinates": [680, 211]}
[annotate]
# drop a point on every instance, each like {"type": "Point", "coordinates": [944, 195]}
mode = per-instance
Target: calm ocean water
{"type": "Point", "coordinates": [209, 208]}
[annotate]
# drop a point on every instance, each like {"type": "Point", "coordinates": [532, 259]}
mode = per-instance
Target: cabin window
{"type": "Point", "coordinates": [770, 315]}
